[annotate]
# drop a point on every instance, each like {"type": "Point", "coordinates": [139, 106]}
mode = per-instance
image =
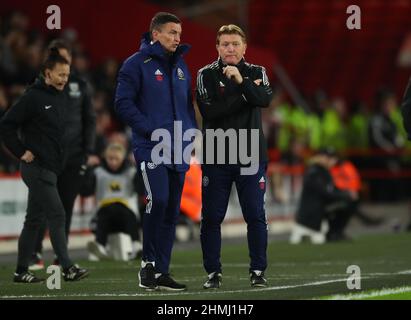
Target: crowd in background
{"type": "Point", "coordinates": [22, 51]}
{"type": "Point", "coordinates": [372, 136]}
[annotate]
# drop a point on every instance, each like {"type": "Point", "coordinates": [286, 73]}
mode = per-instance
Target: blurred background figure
{"type": "Point", "coordinates": [190, 211]}
{"type": "Point", "coordinates": [346, 178]}
{"type": "Point", "coordinates": [318, 193]}
{"type": "Point", "coordinates": [386, 141]}
{"type": "Point", "coordinates": [114, 184]}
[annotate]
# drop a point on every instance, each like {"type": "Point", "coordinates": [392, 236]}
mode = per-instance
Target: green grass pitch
{"type": "Point", "coordinates": [295, 272]}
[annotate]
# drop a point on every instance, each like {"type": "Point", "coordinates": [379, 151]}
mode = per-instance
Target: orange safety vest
{"type": "Point", "coordinates": [346, 176]}
{"type": "Point", "coordinates": [191, 197]}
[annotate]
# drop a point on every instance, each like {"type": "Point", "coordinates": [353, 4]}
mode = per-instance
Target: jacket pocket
{"type": "Point", "coordinates": [48, 176]}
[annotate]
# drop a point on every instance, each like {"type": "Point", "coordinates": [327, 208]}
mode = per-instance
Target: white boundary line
{"type": "Point", "coordinates": [372, 294]}
{"type": "Point", "coordinates": [206, 292]}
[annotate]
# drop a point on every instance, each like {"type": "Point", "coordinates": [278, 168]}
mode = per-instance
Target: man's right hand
{"type": "Point", "coordinates": [27, 156]}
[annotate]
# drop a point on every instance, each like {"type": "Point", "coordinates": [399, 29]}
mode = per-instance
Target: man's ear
{"type": "Point", "coordinates": [154, 35]}
{"type": "Point", "coordinates": [47, 73]}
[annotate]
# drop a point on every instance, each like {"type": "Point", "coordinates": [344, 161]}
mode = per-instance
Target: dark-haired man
{"type": "Point", "coordinates": [154, 92]}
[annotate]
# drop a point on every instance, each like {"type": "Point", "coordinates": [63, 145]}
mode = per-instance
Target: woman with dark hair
{"type": "Point", "coordinates": [39, 117]}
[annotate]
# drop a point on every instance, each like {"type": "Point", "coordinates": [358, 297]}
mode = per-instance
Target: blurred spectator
{"type": "Point", "coordinates": [346, 178]}
{"type": "Point", "coordinates": [8, 163]}
{"type": "Point", "coordinates": [293, 122]}
{"type": "Point", "coordinates": [318, 193]}
{"type": "Point", "coordinates": [406, 116]}
{"type": "Point", "coordinates": [81, 64]}
{"type": "Point", "coordinates": [21, 53]}
{"type": "Point", "coordinates": [3, 101]}
{"type": "Point", "coordinates": [386, 143]}
{"type": "Point", "coordinates": [114, 183]}
{"type": "Point", "coordinates": [105, 78]}
{"type": "Point", "coordinates": [357, 134]}
{"type": "Point", "coordinates": [334, 125]}
{"type": "Point", "coordinates": [190, 209]}
{"type": "Point", "coordinates": [383, 131]}
{"type": "Point", "coordinates": [290, 160]}
{"type": "Point", "coordinates": [103, 121]}
{"type": "Point", "coordinates": [31, 63]}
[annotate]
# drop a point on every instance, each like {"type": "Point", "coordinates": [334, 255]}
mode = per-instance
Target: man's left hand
{"type": "Point", "coordinates": [232, 72]}
{"type": "Point", "coordinates": [93, 160]}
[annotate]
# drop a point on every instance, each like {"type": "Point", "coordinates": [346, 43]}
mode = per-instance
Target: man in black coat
{"type": "Point", "coordinates": [230, 94]}
{"type": "Point", "coordinates": [406, 115]}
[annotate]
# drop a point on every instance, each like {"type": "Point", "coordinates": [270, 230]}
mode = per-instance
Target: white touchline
{"type": "Point", "coordinates": [371, 294]}
{"type": "Point", "coordinates": [317, 283]}
{"type": "Point", "coordinates": [203, 292]}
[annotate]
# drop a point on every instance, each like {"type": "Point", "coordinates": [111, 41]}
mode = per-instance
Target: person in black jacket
{"type": "Point", "coordinates": [79, 141]}
{"type": "Point", "coordinates": [319, 192]}
{"type": "Point", "coordinates": [230, 95]}
{"type": "Point", "coordinates": [39, 118]}
{"type": "Point", "coordinates": [406, 117]}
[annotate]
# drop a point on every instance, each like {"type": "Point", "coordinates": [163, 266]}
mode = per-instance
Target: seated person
{"type": "Point", "coordinates": [113, 183]}
{"type": "Point", "coordinates": [346, 178]}
{"type": "Point", "coordinates": [318, 193]}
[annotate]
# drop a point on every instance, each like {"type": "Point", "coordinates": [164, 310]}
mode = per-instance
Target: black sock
{"type": "Point", "coordinates": [21, 269]}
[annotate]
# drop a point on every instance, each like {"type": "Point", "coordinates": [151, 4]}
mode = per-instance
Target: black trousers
{"type": "Point", "coordinates": [68, 186]}
{"type": "Point", "coordinates": [44, 206]}
{"type": "Point", "coordinates": [115, 218]}
{"type": "Point", "coordinates": [338, 219]}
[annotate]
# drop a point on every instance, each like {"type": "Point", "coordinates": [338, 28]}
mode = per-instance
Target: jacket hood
{"type": "Point", "coordinates": [157, 50]}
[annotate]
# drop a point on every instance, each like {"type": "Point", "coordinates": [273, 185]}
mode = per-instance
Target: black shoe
{"type": "Point", "coordinates": [75, 273]}
{"type": "Point", "coordinates": [26, 277]}
{"type": "Point", "coordinates": [165, 282]}
{"type": "Point", "coordinates": [214, 281]}
{"type": "Point", "coordinates": [369, 221]}
{"type": "Point", "coordinates": [147, 277]}
{"type": "Point", "coordinates": [257, 279]}
{"type": "Point", "coordinates": [338, 237]}
{"type": "Point", "coordinates": [36, 262]}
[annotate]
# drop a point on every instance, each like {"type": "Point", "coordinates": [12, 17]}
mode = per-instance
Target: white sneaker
{"type": "Point", "coordinates": [98, 250]}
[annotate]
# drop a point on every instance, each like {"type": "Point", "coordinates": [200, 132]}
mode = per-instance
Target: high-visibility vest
{"type": "Point", "coordinates": [346, 176]}
{"type": "Point", "coordinates": [191, 196]}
